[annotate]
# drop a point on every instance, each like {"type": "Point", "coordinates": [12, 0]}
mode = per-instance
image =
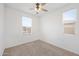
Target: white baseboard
{"type": "Point", "coordinates": [50, 42]}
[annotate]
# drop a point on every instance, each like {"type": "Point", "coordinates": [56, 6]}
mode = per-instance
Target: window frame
{"type": "Point", "coordinates": [74, 22]}
{"type": "Point", "coordinates": [26, 27]}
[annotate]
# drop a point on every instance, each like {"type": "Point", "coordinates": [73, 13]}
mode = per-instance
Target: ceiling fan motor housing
{"type": "Point", "coordinates": [37, 6]}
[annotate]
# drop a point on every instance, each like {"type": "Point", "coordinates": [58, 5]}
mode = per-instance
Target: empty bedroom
{"type": "Point", "coordinates": [39, 29]}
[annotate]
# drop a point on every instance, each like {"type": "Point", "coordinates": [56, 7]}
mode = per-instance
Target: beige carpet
{"type": "Point", "coordinates": [37, 48]}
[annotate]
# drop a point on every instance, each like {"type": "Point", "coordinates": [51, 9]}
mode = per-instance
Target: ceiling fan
{"type": "Point", "coordinates": [39, 7]}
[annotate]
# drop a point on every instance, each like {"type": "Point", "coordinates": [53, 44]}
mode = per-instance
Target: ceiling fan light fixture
{"type": "Point", "coordinates": [38, 7]}
{"type": "Point", "coordinates": [38, 10]}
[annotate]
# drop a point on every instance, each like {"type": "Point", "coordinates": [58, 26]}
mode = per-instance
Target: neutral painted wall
{"type": "Point", "coordinates": [14, 34]}
{"type": "Point", "coordinates": [2, 29]}
{"type": "Point", "coordinates": [51, 25]}
{"type": "Point", "coordinates": [53, 29]}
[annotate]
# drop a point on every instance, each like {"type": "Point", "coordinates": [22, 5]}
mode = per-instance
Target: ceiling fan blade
{"type": "Point", "coordinates": [45, 10]}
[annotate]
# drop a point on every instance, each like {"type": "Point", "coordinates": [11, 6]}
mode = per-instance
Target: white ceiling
{"type": "Point", "coordinates": [26, 7]}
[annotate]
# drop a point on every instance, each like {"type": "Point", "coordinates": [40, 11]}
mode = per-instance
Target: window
{"type": "Point", "coordinates": [26, 24]}
{"type": "Point", "coordinates": [69, 18]}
